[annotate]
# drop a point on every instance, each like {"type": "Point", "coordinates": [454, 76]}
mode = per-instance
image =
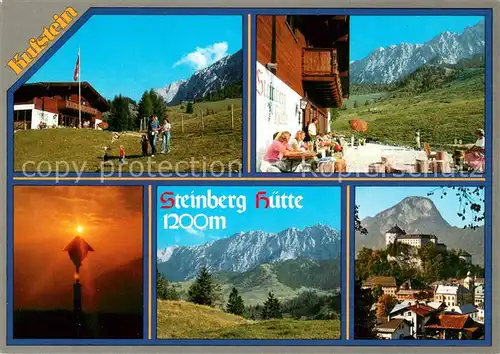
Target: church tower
{"type": "Point", "coordinates": [469, 282]}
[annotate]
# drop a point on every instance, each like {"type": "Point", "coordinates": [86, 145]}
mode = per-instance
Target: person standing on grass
{"type": "Point", "coordinates": [417, 139]}
{"type": "Point", "coordinates": [154, 126]}
{"type": "Point", "coordinates": [166, 128]}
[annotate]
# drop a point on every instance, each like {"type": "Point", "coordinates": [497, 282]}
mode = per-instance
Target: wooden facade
{"type": "Point", "coordinates": [61, 98]}
{"type": "Point", "coordinates": [311, 54]}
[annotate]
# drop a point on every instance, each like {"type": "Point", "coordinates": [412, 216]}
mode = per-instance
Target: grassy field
{"type": "Point", "coordinates": [216, 147]}
{"type": "Point", "coordinates": [441, 115]}
{"type": "Point", "coordinates": [178, 319]}
{"type": "Point", "coordinates": [361, 99]}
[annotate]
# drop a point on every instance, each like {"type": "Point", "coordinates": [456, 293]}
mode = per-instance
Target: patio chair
{"type": "Point", "coordinates": [430, 155]}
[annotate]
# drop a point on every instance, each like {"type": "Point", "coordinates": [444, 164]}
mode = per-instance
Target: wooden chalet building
{"type": "Point", "coordinates": [302, 70]}
{"type": "Point", "coordinates": [53, 104]}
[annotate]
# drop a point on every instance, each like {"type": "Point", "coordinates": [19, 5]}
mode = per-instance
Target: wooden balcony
{"type": "Point", "coordinates": [321, 76]}
{"type": "Point", "coordinates": [319, 62]}
{"type": "Point", "coordinates": [73, 106]}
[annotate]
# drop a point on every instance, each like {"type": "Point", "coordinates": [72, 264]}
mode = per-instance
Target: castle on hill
{"type": "Point", "coordinates": [396, 234]}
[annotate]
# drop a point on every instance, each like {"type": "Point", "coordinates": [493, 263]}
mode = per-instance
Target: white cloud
{"type": "Point", "coordinates": [203, 57]}
{"type": "Point", "coordinates": [195, 232]}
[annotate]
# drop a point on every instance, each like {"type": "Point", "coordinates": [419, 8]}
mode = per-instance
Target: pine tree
{"type": "Point", "coordinates": [120, 114]}
{"type": "Point", "coordinates": [145, 106]}
{"type": "Point", "coordinates": [202, 291]}
{"type": "Point", "coordinates": [189, 108]}
{"type": "Point", "coordinates": [355, 105]}
{"type": "Point", "coordinates": [272, 308]}
{"type": "Point", "coordinates": [377, 292]}
{"type": "Point", "coordinates": [235, 303]}
{"type": "Point", "coordinates": [164, 290]}
{"type": "Point", "coordinates": [159, 106]}
{"type": "Point", "coordinates": [364, 318]}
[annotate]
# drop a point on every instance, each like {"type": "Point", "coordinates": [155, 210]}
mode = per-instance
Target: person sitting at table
{"type": "Point", "coordinates": [475, 154]}
{"type": "Point", "coordinates": [338, 149]}
{"type": "Point", "coordinates": [276, 154]}
{"type": "Point", "coordinates": [297, 143]}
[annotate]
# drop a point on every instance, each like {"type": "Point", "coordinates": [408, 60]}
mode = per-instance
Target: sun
{"type": "Point", "coordinates": [79, 229]}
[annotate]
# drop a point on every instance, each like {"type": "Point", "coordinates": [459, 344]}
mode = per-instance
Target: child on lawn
{"type": "Point", "coordinates": [144, 144]}
{"type": "Point", "coordinates": [122, 154]}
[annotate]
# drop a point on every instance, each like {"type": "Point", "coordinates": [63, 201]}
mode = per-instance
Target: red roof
{"type": "Point", "coordinates": [421, 310]}
{"type": "Point", "coordinates": [450, 322]}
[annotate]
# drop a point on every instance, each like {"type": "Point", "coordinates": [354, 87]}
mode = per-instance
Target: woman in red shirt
{"type": "Point", "coordinates": [279, 150]}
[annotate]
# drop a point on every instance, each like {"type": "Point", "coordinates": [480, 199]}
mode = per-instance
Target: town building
{"type": "Point", "coordinates": [302, 70]}
{"type": "Point", "coordinates": [478, 316]}
{"type": "Point", "coordinates": [465, 256]}
{"type": "Point", "coordinates": [396, 234]}
{"type": "Point", "coordinates": [417, 316]}
{"type": "Point", "coordinates": [388, 284]}
{"type": "Point", "coordinates": [467, 309]}
{"type": "Point", "coordinates": [392, 234]}
{"type": "Point", "coordinates": [446, 326]}
{"type": "Point", "coordinates": [453, 295]}
{"type": "Point", "coordinates": [440, 306]}
{"type": "Point", "coordinates": [479, 281]}
{"type": "Point", "coordinates": [53, 104]}
{"type": "Point", "coordinates": [401, 306]}
{"type": "Point", "coordinates": [397, 328]}
{"type": "Point", "coordinates": [406, 292]}
{"type": "Point", "coordinates": [479, 295]}
{"type": "Point", "coordinates": [422, 295]}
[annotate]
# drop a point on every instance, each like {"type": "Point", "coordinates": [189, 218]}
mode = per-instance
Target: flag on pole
{"type": "Point", "coordinates": [76, 74]}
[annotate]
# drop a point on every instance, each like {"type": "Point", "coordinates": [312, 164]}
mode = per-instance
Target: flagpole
{"type": "Point", "coordinates": [79, 90]}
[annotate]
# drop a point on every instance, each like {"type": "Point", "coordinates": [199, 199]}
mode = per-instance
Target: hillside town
{"type": "Point", "coordinates": [444, 309]}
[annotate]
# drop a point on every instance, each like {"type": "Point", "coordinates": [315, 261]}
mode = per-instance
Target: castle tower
{"type": "Point", "coordinates": [392, 234]}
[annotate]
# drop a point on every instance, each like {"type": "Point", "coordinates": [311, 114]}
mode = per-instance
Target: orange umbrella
{"type": "Point", "coordinates": [359, 125]}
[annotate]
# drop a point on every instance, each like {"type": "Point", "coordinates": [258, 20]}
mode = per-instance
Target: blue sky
{"type": "Point", "coordinates": [320, 205]}
{"type": "Point", "coordinates": [370, 32]}
{"type": "Point", "coordinates": [373, 200]}
{"type": "Point", "coordinates": [128, 54]}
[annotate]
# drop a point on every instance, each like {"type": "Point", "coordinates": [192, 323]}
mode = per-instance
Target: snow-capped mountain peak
{"type": "Point", "coordinates": [220, 74]}
{"type": "Point", "coordinates": [244, 251]}
{"type": "Point", "coordinates": [164, 254]}
{"type": "Point", "coordinates": [168, 92]}
{"type": "Point", "coordinates": [386, 65]}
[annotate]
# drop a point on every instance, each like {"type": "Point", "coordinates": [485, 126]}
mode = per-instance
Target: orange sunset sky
{"type": "Point", "coordinates": [109, 218]}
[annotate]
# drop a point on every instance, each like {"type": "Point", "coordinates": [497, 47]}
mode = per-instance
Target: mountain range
{"type": "Point", "coordinates": [387, 65]}
{"type": "Point", "coordinates": [242, 252]}
{"type": "Point", "coordinates": [420, 215]}
{"type": "Point", "coordinates": [220, 74]}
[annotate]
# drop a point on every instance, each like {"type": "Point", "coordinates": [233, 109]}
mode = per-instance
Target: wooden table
{"type": "Point", "coordinates": [303, 155]}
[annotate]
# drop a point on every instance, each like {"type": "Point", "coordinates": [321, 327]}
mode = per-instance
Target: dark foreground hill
{"type": "Point", "coordinates": [62, 324]}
